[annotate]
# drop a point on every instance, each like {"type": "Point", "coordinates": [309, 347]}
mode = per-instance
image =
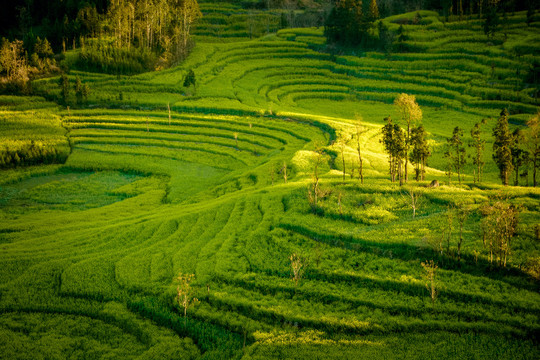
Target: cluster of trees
{"type": "Point", "coordinates": [145, 22]}
{"type": "Point", "coordinates": [517, 150]}
{"type": "Point", "coordinates": [481, 8]}
{"type": "Point", "coordinates": [103, 57]}
{"type": "Point", "coordinates": [13, 64]}
{"type": "Point", "coordinates": [18, 64]}
{"type": "Point", "coordinates": [163, 25]}
{"type": "Point", "coordinates": [147, 34]}
{"type": "Point", "coordinates": [394, 144]}
{"type": "Point", "coordinates": [499, 225]}
{"type": "Point", "coordinates": [58, 21]}
{"type": "Point", "coordinates": [516, 153]}
{"type": "Point", "coordinates": [404, 145]}
{"type": "Point", "coordinates": [447, 8]}
{"type": "Point", "coordinates": [81, 90]}
{"type": "Point", "coordinates": [349, 22]}
{"type": "Point", "coordinates": [493, 22]}
{"type": "Point", "coordinates": [30, 153]}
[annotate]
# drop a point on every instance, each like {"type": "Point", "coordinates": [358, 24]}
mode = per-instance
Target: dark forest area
{"type": "Point", "coordinates": [70, 19]}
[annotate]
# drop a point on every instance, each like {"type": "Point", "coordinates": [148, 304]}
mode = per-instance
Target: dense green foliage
{"type": "Point", "coordinates": [105, 58]}
{"type": "Point", "coordinates": [160, 177]}
{"type": "Point", "coordinates": [31, 137]}
{"type": "Point", "coordinates": [124, 37]}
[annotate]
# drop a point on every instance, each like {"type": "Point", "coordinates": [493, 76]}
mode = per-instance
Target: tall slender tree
{"type": "Point", "coordinates": [462, 214]}
{"type": "Point", "coordinates": [401, 37]}
{"type": "Point", "coordinates": [478, 144]}
{"type": "Point", "coordinates": [410, 113]}
{"type": "Point", "coordinates": [313, 190]}
{"type": "Point", "coordinates": [359, 131]}
{"type": "Point", "coordinates": [532, 143]}
{"type": "Point", "coordinates": [78, 90]}
{"type": "Point", "coordinates": [400, 151]}
{"type": "Point", "coordinates": [420, 151]}
{"type": "Point", "coordinates": [189, 15]}
{"type": "Point", "coordinates": [455, 144]}
{"type": "Point", "coordinates": [342, 144]}
{"type": "Point", "coordinates": [394, 144]}
{"type": "Point", "coordinates": [502, 153]}
{"type": "Point", "coordinates": [492, 21]}
{"type": "Point", "coordinates": [388, 141]}
{"type": "Point", "coordinates": [163, 25]}
{"type": "Point", "coordinates": [518, 154]}
{"type": "Point", "coordinates": [449, 167]}
{"type": "Point", "coordinates": [373, 10]}
{"type": "Point", "coordinates": [63, 82]}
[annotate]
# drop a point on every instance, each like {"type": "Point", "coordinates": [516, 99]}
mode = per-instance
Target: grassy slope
{"type": "Point", "coordinates": [184, 195]}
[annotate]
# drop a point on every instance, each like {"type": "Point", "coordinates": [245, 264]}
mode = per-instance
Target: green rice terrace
{"type": "Point", "coordinates": [226, 219]}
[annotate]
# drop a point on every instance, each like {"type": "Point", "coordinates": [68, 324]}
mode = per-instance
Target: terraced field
{"type": "Point", "coordinates": [217, 187]}
{"type": "Point", "coordinates": [230, 22]}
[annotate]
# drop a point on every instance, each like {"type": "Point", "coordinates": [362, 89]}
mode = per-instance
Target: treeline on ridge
{"type": "Point", "coordinates": [119, 36]}
{"type": "Point", "coordinates": [352, 22]}
{"type": "Point", "coordinates": [25, 153]}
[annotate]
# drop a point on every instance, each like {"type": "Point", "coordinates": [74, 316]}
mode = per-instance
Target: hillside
{"type": "Point", "coordinates": [149, 178]}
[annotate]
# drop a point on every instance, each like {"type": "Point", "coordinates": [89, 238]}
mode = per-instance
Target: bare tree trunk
{"type": "Point", "coordinates": [392, 169]}
{"type": "Point", "coordinates": [316, 193]}
{"type": "Point", "coordinates": [480, 2]}
{"type": "Point", "coordinates": [406, 167]}
{"type": "Point", "coordinates": [343, 159]}
{"type": "Point", "coordinates": [460, 242]}
{"type": "Point", "coordinates": [400, 172]}
{"type": "Point", "coordinates": [408, 141]}
{"type": "Point", "coordinates": [360, 163]}
{"type": "Point", "coordinates": [534, 171]}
